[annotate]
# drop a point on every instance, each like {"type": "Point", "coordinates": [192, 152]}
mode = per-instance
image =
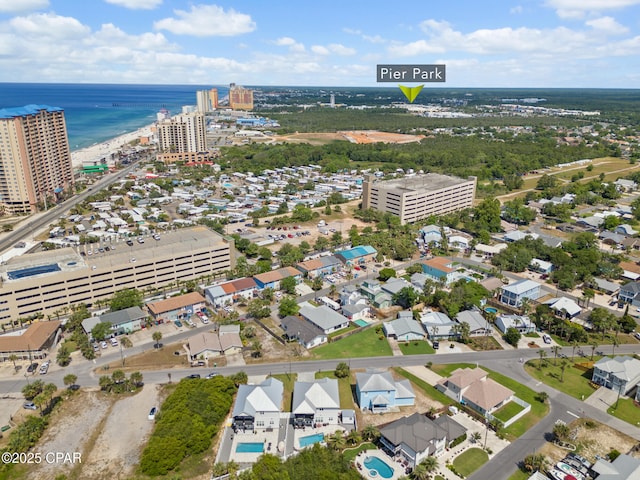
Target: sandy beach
{"type": "Point", "coordinates": [104, 150]}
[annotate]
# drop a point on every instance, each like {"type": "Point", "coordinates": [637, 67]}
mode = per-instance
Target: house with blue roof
{"type": "Point", "coordinates": [513, 293]}
{"type": "Point", "coordinates": [357, 255]}
{"type": "Point", "coordinates": [378, 392]}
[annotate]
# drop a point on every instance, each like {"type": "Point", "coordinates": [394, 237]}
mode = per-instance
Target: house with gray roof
{"type": "Point", "coordinates": [478, 325]}
{"type": "Point", "coordinates": [124, 321]}
{"type": "Point", "coordinates": [394, 285]}
{"type": "Point", "coordinates": [624, 185]}
{"type": "Point", "coordinates": [514, 293]}
{"type": "Point", "coordinates": [258, 407]}
{"type": "Point", "coordinates": [624, 467]}
{"type": "Point", "coordinates": [377, 391]}
{"type": "Point", "coordinates": [325, 318]}
{"type": "Point", "coordinates": [438, 325]}
{"type": "Point", "coordinates": [522, 323]}
{"type": "Point", "coordinates": [564, 306]}
{"type": "Point", "coordinates": [372, 290]}
{"type": "Point", "coordinates": [355, 312]}
{"type": "Point", "coordinates": [316, 402]}
{"type": "Point", "coordinates": [620, 374]}
{"type": "Point", "coordinates": [416, 437]}
{"type": "Point", "coordinates": [630, 293]}
{"type": "Point", "coordinates": [305, 333]}
{"type": "Point", "coordinates": [404, 329]}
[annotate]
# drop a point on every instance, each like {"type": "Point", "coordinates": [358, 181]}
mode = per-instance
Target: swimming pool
{"type": "Point", "coordinates": [311, 439]}
{"type": "Point", "coordinates": [227, 185]}
{"type": "Point", "coordinates": [31, 271]}
{"type": "Point", "coordinates": [377, 466]}
{"type": "Point", "coordinates": [361, 323]}
{"type": "Point", "coordinates": [491, 310]}
{"type": "Point", "coordinates": [250, 447]}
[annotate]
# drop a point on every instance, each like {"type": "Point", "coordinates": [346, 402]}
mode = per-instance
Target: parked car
{"type": "Point", "coordinates": [194, 375]}
{"type": "Point", "coordinates": [29, 406]}
{"type": "Point", "coordinates": [44, 368]}
{"type": "Point", "coordinates": [436, 344]}
{"type": "Point", "coordinates": [637, 335]}
{"type": "Point", "coordinates": [212, 374]}
{"type": "Point", "coordinates": [546, 338]}
{"type": "Point", "coordinates": [103, 344]}
{"type": "Point", "coordinates": [152, 413]}
{"type": "Point", "coordinates": [130, 243]}
{"type": "Point", "coordinates": [156, 236]}
{"type": "Point", "coordinates": [178, 323]}
{"type": "Point", "coordinates": [32, 368]}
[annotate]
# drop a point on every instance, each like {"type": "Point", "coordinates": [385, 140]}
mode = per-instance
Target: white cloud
{"type": "Point", "coordinates": [580, 8]}
{"type": "Point", "coordinates": [207, 21]}
{"type": "Point", "coordinates": [136, 4]}
{"type": "Point", "coordinates": [607, 25]}
{"type": "Point", "coordinates": [320, 50]}
{"type": "Point", "coordinates": [516, 10]}
{"type": "Point", "coordinates": [293, 45]}
{"type": "Point", "coordinates": [368, 38]}
{"type": "Point", "coordinates": [334, 48]}
{"type": "Point", "coordinates": [15, 6]}
{"type": "Point", "coordinates": [50, 26]}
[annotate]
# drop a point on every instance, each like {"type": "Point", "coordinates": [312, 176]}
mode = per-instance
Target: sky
{"type": "Point", "coordinates": [486, 43]}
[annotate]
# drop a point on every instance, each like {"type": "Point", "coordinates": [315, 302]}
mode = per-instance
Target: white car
{"type": "Point", "coordinates": [104, 344]}
{"type": "Point", "coordinates": [152, 413]}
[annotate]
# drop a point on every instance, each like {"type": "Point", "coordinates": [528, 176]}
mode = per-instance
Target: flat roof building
{"type": "Point", "coordinates": [183, 133]}
{"type": "Point", "coordinates": [35, 161]}
{"type": "Point", "coordinates": [240, 98]}
{"type": "Point", "coordinates": [415, 198]}
{"type": "Point", "coordinates": [49, 282]}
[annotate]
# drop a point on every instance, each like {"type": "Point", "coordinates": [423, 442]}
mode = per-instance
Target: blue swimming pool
{"type": "Point", "coordinates": [250, 447]}
{"type": "Point", "coordinates": [491, 310]}
{"type": "Point", "coordinates": [227, 185]}
{"type": "Point", "coordinates": [31, 271]}
{"type": "Point", "coordinates": [378, 467]}
{"type": "Point", "coordinates": [311, 439]}
{"type": "Point", "coordinates": [361, 323]}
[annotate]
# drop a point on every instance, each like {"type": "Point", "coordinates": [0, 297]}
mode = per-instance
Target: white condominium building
{"type": "Point", "coordinates": [183, 133]}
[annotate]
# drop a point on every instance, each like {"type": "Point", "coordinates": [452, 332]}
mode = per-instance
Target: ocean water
{"type": "Point", "coordinates": [97, 112]}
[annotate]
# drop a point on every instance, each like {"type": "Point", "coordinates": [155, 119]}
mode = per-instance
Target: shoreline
{"type": "Point", "coordinates": [96, 152]}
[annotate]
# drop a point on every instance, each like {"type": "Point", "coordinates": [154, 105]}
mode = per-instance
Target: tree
{"type": "Point", "coordinates": [157, 336]}
{"type": "Point", "coordinates": [337, 441]}
{"type": "Point", "coordinates": [342, 370]}
{"type": "Point", "coordinates": [101, 331]}
{"type": "Point", "coordinates": [386, 273]}
{"type": "Point", "coordinates": [512, 336]}
{"type": "Point", "coordinates": [317, 283]}
{"type": "Point", "coordinates": [407, 297]}
{"type": "Point", "coordinates": [64, 356]}
{"type": "Point", "coordinates": [13, 358]}
{"type": "Point", "coordinates": [136, 378]}
{"type": "Point", "coordinates": [354, 437]}
{"type": "Point", "coordinates": [542, 354]}
{"type": "Point", "coordinates": [370, 433]}
{"type": "Point", "coordinates": [594, 345]}
{"type": "Point", "coordinates": [555, 349]}
{"type": "Point", "coordinates": [33, 389]}
{"type": "Point", "coordinates": [126, 342]}
{"type": "Point", "coordinates": [561, 431]}
{"type": "Point", "coordinates": [288, 285]}
{"type": "Point", "coordinates": [534, 462]}
{"type": "Point", "coordinates": [70, 379]}
{"type": "Point", "coordinates": [239, 378]}
{"type": "Point", "coordinates": [542, 397]}
{"type": "Point", "coordinates": [258, 308]}
{"type": "Point", "coordinates": [546, 182]}
{"type": "Point", "coordinates": [563, 366]}
{"type": "Point", "coordinates": [129, 297]}
{"type": "Point", "coordinates": [288, 306]}
{"type": "Point", "coordinates": [425, 468]}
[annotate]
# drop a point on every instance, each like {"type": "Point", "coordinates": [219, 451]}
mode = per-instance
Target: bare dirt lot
{"type": "Point", "coordinates": [107, 430]}
{"type": "Point", "coordinates": [592, 438]}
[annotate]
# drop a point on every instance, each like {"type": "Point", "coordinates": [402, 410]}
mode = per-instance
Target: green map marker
{"type": "Point", "coordinates": [411, 92]}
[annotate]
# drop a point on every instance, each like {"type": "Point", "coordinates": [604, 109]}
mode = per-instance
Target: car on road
{"type": "Point", "coordinates": [194, 375]}
{"type": "Point", "coordinates": [178, 323]}
{"type": "Point", "coordinates": [152, 413]}
{"type": "Point", "coordinates": [212, 374]}
{"type": "Point", "coordinates": [637, 335]}
{"type": "Point", "coordinates": [44, 368]}
{"type": "Point", "coordinates": [130, 243]}
{"type": "Point", "coordinates": [156, 236]}
{"type": "Point", "coordinates": [32, 368]}
{"type": "Point", "coordinates": [103, 344]}
{"type": "Point", "coordinates": [29, 406]}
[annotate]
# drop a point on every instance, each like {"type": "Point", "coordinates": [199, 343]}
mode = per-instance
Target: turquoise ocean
{"type": "Point", "coordinates": [95, 113]}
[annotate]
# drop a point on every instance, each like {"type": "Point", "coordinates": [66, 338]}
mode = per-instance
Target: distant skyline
{"type": "Point", "coordinates": [492, 43]}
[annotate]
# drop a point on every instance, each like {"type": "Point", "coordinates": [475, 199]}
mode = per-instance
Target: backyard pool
{"type": "Point", "coordinates": [311, 439]}
{"type": "Point", "coordinates": [227, 185]}
{"type": "Point", "coordinates": [491, 310]}
{"type": "Point", "coordinates": [377, 467]}
{"type": "Point", "coordinates": [361, 323]}
{"type": "Point", "coordinates": [250, 447]}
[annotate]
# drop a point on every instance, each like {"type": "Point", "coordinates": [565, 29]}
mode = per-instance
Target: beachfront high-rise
{"type": "Point", "coordinates": [240, 98]}
{"type": "Point", "coordinates": [207, 100]}
{"type": "Point", "coordinates": [184, 133]}
{"type": "Point", "coordinates": [35, 160]}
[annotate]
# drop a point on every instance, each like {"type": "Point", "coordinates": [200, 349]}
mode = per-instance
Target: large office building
{"type": "Point", "coordinates": [51, 282]}
{"type": "Point", "coordinates": [418, 197]}
{"type": "Point", "coordinates": [183, 133]}
{"type": "Point", "coordinates": [240, 98]}
{"type": "Point", "coordinates": [207, 100]}
{"type": "Point", "coordinates": [35, 161]}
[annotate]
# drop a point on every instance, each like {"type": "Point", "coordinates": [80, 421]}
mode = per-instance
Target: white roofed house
{"type": "Point", "coordinates": [438, 325]}
{"type": "Point", "coordinates": [514, 293]}
{"type": "Point", "coordinates": [620, 374]}
{"type": "Point", "coordinates": [404, 329]}
{"type": "Point", "coordinates": [522, 323]}
{"type": "Point", "coordinates": [564, 307]}
{"type": "Point", "coordinates": [316, 402]}
{"type": "Point", "coordinates": [258, 406]}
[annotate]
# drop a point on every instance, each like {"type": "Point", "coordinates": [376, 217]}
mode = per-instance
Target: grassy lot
{"type": "Point", "coordinates": [352, 326]}
{"type": "Point", "coordinates": [484, 343]}
{"type": "Point", "coordinates": [361, 344]}
{"type": "Point", "coordinates": [520, 475]}
{"type": "Point", "coordinates": [351, 453]}
{"type": "Point", "coordinates": [508, 411]}
{"type": "Point", "coordinates": [428, 390]}
{"type": "Point", "coordinates": [159, 359]}
{"type": "Point", "coordinates": [576, 381]}
{"type": "Point", "coordinates": [416, 348]}
{"type": "Point", "coordinates": [538, 409]}
{"type": "Point", "coordinates": [470, 460]}
{"type": "Point", "coordinates": [288, 381]}
{"type": "Point", "coordinates": [626, 411]}
{"type": "Point", "coordinates": [344, 390]}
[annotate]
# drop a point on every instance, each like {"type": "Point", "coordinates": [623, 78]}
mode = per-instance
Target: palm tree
{"type": "Point", "coordinates": [476, 436]}
{"type": "Point", "coordinates": [563, 365]}
{"type": "Point", "coordinates": [542, 396]}
{"type": "Point", "coordinates": [105, 383]}
{"type": "Point", "coordinates": [556, 349]}
{"type": "Point", "coordinates": [542, 354]}
{"type": "Point", "coordinates": [594, 345]}
{"type": "Point", "coordinates": [574, 345]}
{"type": "Point", "coordinates": [354, 437]}
{"type": "Point", "coordinates": [157, 336]}
{"type": "Point", "coordinates": [13, 357]}
{"type": "Point", "coordinates": [70, 379]}
{"type": "Point", "coordinates": [430, 464]}
{"type": "Point", "coordinates": [525, 305]}
{"type": "Point", "coordinates": [534, 462]}
{"type": "Point", "coordinates": [337, 441]}
{"type": "Point", "coordinates": [370, 433]}
{"type": "Point", "coordinates": [136, 378]}
{"type": "Point", "coordinates": [614, 343]}
{"type": "Point", "coordinates": [126, 342]}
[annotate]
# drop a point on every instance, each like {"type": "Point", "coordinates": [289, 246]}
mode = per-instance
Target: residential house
{"type": "Point", "coordinates": [411, 439]}
{"type": "Point", "coordinates": [624, 467]}
{"type": "Point", "coordinates": [176, 308]}
{"type": "Point", "coordinates": [516, 235]}
{"type": "Point", "coordinates": [630, 270]}
{"type": "Point", "coordinates": [273, 278]}
{"type": "Point", "coordinates": [316, 403]}
{"type": "Point", "coordinates": [204, 345]}
{"type": "Point", "coordinates": [349, 295]}
{"type": "Point", "coordinates": [541, 266]}
{"type": "Point", "coordinates": [432, 236]}
{"type": "Point", "coordinates": [605, 286]}
{"type": "Point", "coordinates": [378, 392]}
{"type": "Point", "coordinates": [625, 229]}
{"type": "Point", "coordinates": [439, 269]}
{"type": "Point", "coordinates": [325, 318]}
{"type": "Point", "coordinates": [320, 267]}
{"type": "Point", "coordinates": [372, 290]}
{"type": "Point", "coordinates": [355, 312]}
{"type": "Point", "coordinates": [620, 374]}
{"type": "Point", "coordinates": [478, 325]}
{"type": "Point", "coordinates": [514, 293]}
{"type": "Point", "coordinates": [357, 255]}
{"type": "Point", "coordinates": [489, 250]}
{"type": "Point", "coordinates": [418, 280]}
{"type": "Point", "coordinates": [258, 407]}
{"type": "Point", "coordinates": [305, 333]}
{"type": "Point", "coordinates": [124, 321]}
{"type": "Point", "coordinates": [473, 387]}
{"type": "Point", "coordinates": [231, 292]}
{"type": "Point", "coordinates": [624, 185]}
{"type": "Point", "coordinates": [630, 293]}
{"type": "Point", "coordinates": [458, 242]}
{"type": "Point", "coordinates": [522, 323]}
{"type": "Point", "coordinates": [438, 325]}
{"type": "Point", "coordinates": [404, 329]}
{"type": "Point", "coordinates": [31, 343]}
{"type": "Point", "coordinates": [394, 285]}
{"type": "Point", "coordinates": [564, 307]}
